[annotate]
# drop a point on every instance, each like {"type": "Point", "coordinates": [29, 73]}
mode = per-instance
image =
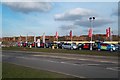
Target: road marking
{"type": "Point", "coordinates": [90, 64]}
{"type": "Point", "coordinates": [63, 58]}
{"type": "Point", "coordinates": [62, 62]}
{"type": "Point", "coordinates": [47, 60]}
{"type": "Point", "coordinates": [77, 59]}
{"type": "Point", "coordinates": [109, 62]}
{"type": "Point", "coordinates": [68, 58]}
{"type": "Point", "coordinates": [69, 63]}
{"type": "Point", "coordinates": [114, 68]}
{"type": "Point", "coordinates": [51, 61]}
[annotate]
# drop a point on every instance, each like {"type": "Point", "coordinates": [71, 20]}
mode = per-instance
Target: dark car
{"type": "Point", "coordinates": [25, 44]}
{"type": "Point", "coordinates": [86, 46]}
{"type": "Point", "coordinates": [49, 45]}
{"type": "Point", "coordinates": [55, 45]}
{"type": "Point", "coordinates": [79, 46]}
{"type": "Point", "coordinates": [42, 45]}
{"type": "Point", "coordinates": [60, 45]}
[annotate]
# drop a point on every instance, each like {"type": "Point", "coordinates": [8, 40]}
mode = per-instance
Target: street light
{"type": "Point", "coordinates": [91, 26]}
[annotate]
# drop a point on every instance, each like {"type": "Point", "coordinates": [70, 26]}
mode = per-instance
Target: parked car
{"type": "Point", "coordinates": [86, 46]}
{"type": "Point", "coordinates": [42, 45]}
{"type": "Point", "coordinates": [49, 45]}
{"type": "Point", "coordinates": [79, 46]}
{"type": "Point", "coordinates": [60, 45]}
{"type": "Point", "coordinates": [107, 47]}
{"type": "Point", "coordinates": [25, 44]}
{"type": "Point", "coordinates": [117, 47]}
{"type": "Point", "coordinates": [33, 44]}
{"type": "Point", "coordinates": [69, 46]}
{"type": "Point", "coordinates": [55, 45]}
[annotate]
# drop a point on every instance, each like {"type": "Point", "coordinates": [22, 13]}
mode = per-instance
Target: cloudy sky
{"type": "Point", "coordinates": [35, 18]}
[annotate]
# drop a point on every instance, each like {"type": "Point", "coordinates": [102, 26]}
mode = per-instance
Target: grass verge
{"type": "Point", "coordinates": [14, 71]}
{"type": "Point", "coordinates": [86, 52]}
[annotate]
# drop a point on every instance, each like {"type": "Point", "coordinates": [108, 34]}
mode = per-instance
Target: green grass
{"type": "Point", "coordinates": [86, 52]}
{"type": "Point", "coordinates": [14, 71]}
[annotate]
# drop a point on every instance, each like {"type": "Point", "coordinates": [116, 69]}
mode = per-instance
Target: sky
{"type": "Point", "coordinates": [36, 18]}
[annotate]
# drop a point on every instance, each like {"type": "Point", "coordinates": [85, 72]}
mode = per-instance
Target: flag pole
{"type": "Point", "coordinates": [71, 35]}
{"type": "Point", "coordinates": [44, 39]}
{"type": "Point", "coordinates": [56, 36]}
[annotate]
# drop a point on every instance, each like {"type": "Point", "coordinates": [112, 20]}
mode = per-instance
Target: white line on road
{"type": "Point", "coordinates": [109, 62]}
{"type": "Point", "coordinates": [90, 64]}
{"type": "Point", "coordinates": [77, 58]}
{"type": "Point", "coordinates": [113, 68]}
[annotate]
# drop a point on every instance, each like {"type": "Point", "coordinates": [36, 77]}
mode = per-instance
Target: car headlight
{"type": "Point", "coordinates": [74, 47]}
{"type": "Point", "coordinates": [113, 48]}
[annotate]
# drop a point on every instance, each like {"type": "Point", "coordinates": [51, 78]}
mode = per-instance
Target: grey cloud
{"type": "Point", "coordinates": [96, 23]}
{"type": "Point", "coordinates": [74, 14]}
{"type": "Point", "coordinates": [115, 32]}
{"type": "Point", "coordinates": [68, 27]}
{"type": "Point", "coordinates": [27, 7]}
{"type": "Point", "coordinates": [116, 12]}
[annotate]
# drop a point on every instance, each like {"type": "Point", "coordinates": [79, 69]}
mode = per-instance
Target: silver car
{"type": "Point", "coordinates": [69, 46]}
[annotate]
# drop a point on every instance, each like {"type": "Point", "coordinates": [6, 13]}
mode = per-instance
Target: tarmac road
{"type": "Point", "coordinates": [81, 66]}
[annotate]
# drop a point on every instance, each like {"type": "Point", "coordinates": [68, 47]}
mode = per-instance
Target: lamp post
{"type": "Point", "coordinates": [91, 26]}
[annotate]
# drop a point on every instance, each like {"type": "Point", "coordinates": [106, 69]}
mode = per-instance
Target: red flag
{"type": "Point", "coordinates": [107, 35]}
{"type": "Point", "coordinates": [71, 34]}
{"type": "Point", "coordinates": [56, 35]}
{"type": "Point", "coordinates": [90, 32]}
{"type": "Point", "coordinates": [108, 32]}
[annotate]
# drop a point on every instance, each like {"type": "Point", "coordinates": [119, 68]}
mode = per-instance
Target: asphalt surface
{"type": "Point", "coordinates": [81, 66]}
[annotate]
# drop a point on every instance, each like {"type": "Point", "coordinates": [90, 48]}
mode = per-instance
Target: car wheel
{"type": "Point", "coordinates": [80, 48]}
{"type": "Point", "coordinates": [111, 50]}
{"type": "Point", "coordinates": [98, 49]}
{"type": "Point", "coordinates": [71, 48]}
